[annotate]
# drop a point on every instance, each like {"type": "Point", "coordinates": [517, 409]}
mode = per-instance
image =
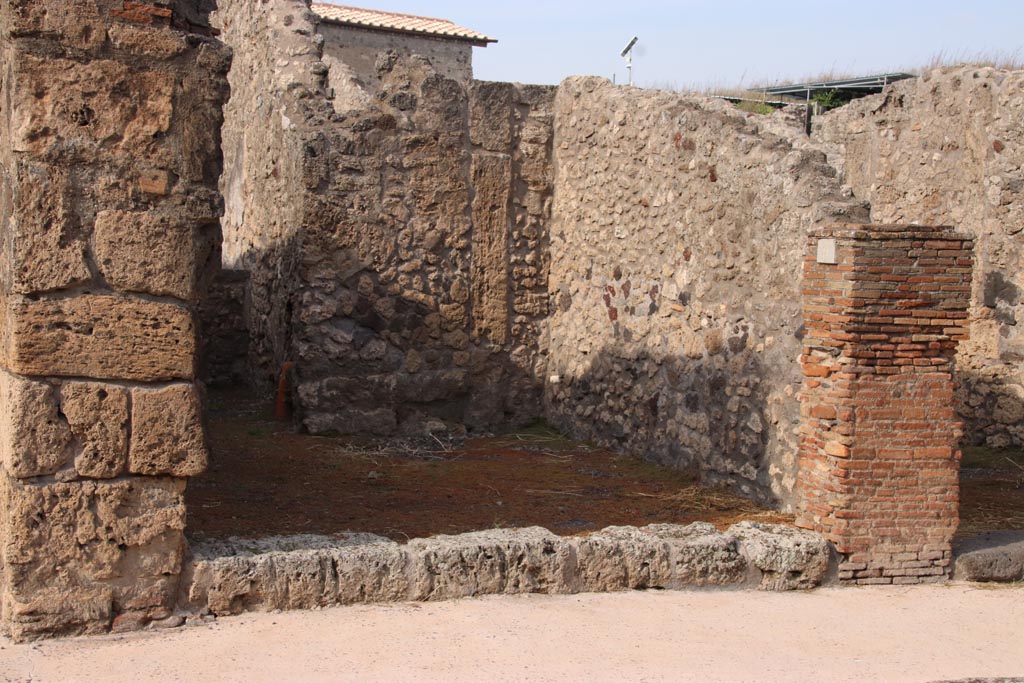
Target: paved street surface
{"type": "Point", "coordinates": [867, 634]}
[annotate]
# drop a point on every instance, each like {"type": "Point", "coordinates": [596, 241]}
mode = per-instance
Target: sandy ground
{"type": "Point", "coordinates": [869, 634]}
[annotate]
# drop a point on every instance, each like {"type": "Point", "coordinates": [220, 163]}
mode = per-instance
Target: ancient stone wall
{"type": "Point", "coordinates": [948, 149]}
{"type": "Point", "coordinates": [676, 241]}
{"type": "Point", "coordinates": [885, 307]}
{"type": "Point", "coordinates": [393, 228]}
{"type": "Point", "coordinates": [109, 225]}
{"type": "Point", "coordinates": [273, 67]}
{"type": "Point", "coordinates": [406, 312]}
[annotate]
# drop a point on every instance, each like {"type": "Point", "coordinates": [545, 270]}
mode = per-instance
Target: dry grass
{"type": "Point", "coordinates": [703, 498]}
{"type": "Point", "coordinates": [724, 507]}
{"type": "Point", "coordinates": [999, 60]}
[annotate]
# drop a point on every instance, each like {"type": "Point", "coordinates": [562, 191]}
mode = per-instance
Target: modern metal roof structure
{"type": "Point", "coordinates": [398, 23]}
{"type": "Point", "coordinates": [865, 85]}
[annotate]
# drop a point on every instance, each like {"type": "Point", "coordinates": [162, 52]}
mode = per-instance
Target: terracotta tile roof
{"type": "Point", "coordinates": [402, 23]}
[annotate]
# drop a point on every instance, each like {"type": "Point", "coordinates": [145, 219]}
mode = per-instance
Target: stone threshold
{"type": "Point", "coordinates": [991, 557]}
{"type": "Point", "coordinates": [311, 571]}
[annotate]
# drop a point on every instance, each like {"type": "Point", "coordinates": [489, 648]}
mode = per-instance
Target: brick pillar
{"type": "Point", "coordinates": [884, 309]}
{"type": "Point", "coordinates": [109, 155]}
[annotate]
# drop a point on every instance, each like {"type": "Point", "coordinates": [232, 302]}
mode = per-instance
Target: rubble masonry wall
{"type": "Point", "coordinates": [392, 227]}
{"type": "Point", "coordinates": [676, 243]}
{"type": "Point", "coordinates": [433, 252]}
{"type": "Point", "coordinates": [948, 149]}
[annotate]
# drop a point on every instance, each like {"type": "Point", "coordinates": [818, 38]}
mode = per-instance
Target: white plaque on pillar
{"type": "Point", "coordinates": [827, 251]}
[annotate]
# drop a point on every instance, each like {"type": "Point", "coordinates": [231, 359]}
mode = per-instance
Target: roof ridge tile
{"type": "Point", "coordinates": [396, 21]}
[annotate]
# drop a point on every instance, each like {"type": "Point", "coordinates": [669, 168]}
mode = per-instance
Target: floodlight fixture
{"type": "Point", "coordinates": [625, 50]}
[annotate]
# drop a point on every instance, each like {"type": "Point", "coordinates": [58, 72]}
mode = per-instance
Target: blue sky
{"type": "Point", "coordinates": [707, 43]}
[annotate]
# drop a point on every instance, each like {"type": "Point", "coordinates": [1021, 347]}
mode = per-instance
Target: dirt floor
{"type": "Point", "coordinates": [991, 490]}
{"type": "Point", "coordinates": [264, 479]}
{"type": "Point", "coordinates": [894, 634]}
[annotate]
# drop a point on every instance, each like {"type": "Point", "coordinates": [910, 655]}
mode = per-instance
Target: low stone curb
{"type": "Point", "coordinates": [303, 572]}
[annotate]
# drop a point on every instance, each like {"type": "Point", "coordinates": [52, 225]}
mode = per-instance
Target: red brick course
{"type": "Point", "coordinates": [154, 13]}
{"type": "Point", "coordinates": [879, 462]}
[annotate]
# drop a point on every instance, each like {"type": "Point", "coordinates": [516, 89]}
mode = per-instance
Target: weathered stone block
{"type": "Point", "coordinates": [433, 385]}
{"type": "Point", "coordinates": [146, 252]}
{"type": "Point", "coordinates": [34, 439]}
{"type": "Point", "coordinates": [75, 109]}
{"type": "Point", "coordinates": [100, 336]}
{"type": "Point", "coordinates": [368, 390]}
{"type": "Point", "coordinates": [57, 611]}
{"type": "Point", "coordinates": [993, 556]}
{"type": "Point", "coordinates": [79, 429]}
{"type": "Point", "coordinates": [204, 88]}
{"type": "Point", "coordinates": [98, 417]}
{"type": "Point", "coordinates": [622, 558]}
{"type": "Point", "coordinates": [74, 23]}
{"type": "Point", "coordinates": [492, 180]}
{"type": "Point", "coordinates": [46, 251]}
{"type": "Point", "coordinates": [490, 115]}
{"type": "Point", "coordinates": [699, 555]}
{"type": "Point", "coordinates": [75, 554]}
{"type": "Point", "coordinates": [351, 405]}
{"type": "Point", "coordinates": [167, 432]}
{"type": "Point", "coordinates": [378, 421]}
{"type": "Point", "coordinates": [51, 427]}
{"type": "Point", "coordinates": [294, 580]}
{"type": "Point", "coordinates": [294, 572]}
{"type": "Point", "coordinates": [375, 571]}
{"type": "Point", "coordinates": [788, 558]}
{"type": "Point", "coordinates": [531, 560]}
{"type": "Point", "coordinates": [303, 571]}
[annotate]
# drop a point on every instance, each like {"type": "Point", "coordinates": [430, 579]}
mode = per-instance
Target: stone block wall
{"type": "Point", "coordinates": [947, 148]}
{"type": "Point", "coordinates": [885, 308]}
{"type": "Point", "coordinates": [392, 226]}
{"type": "Point", "coordinates": [676, 241]}
{"type": "Point", "coordinates": [109, 157]}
